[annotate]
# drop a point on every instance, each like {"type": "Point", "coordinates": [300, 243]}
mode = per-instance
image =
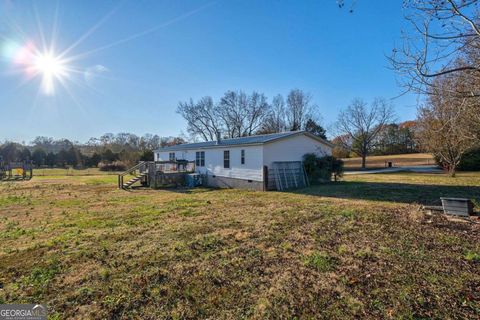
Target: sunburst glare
{"type": "Point", "coordinates": [51, 69]}
{"type": "Point", "coordinates": [38, 59]}
{"type": "Point", "coordinates": [44, 65]}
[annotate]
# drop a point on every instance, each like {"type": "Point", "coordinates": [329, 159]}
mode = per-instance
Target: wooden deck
{"type": "Point", "coordinates": [156, 174]}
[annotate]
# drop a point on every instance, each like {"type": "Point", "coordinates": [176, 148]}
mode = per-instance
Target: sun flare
{"type": "Point", "coordinates": [51, 68]}
{"type": "Point", "coordinates": [47, 64]}
{"type": "Point", "coordinates": [33, 62]}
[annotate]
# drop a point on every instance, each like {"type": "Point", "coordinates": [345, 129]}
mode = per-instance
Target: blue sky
{"type": "Point", "coordinates": [163, 52]}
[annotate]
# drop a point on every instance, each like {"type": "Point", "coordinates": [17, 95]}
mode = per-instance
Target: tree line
{"type": "Point", "coordinates": [238, 114]}
{"type": "Point", "coordinates": [124, 149]}
{"type": "Point", "coordinates": [393, 138]}
{"type": "Point", "coordinates": [362, 129]}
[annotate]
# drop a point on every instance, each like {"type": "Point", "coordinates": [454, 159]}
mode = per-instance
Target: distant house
{"type": "Point", "coordinates": [246, 162]}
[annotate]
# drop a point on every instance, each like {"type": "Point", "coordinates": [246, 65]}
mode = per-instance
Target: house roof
{"type": "Point", "coordinates": [251, 140]}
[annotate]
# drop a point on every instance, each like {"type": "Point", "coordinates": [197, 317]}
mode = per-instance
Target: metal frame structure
{"type": "Point", "coordinates": [289, 175]}
{"type": "Point", "coordinates": [13, 171]}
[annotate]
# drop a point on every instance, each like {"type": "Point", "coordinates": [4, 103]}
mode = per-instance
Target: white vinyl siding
{"type": "Point", "coordinates": [293, 149]}
{"type": "Point", "coordinates": [251, 170]}
{"type": "Point", "coordinates": [255, 156]}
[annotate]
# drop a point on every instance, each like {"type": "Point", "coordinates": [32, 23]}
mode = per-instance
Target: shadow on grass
{"type": "Point", "coordinates": [395, 192]}
{"type": "Point", "coordinates": [175, 189]}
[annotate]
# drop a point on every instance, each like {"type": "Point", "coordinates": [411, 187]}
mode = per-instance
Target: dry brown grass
{"type": "Point", "coordinates": [399, 160]}
{"type": "Point", "coordinates": [93, 252]}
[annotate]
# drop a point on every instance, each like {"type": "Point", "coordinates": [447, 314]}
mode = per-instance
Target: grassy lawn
{"type": "Point", "coordinates": [70, 172]}
{"type": "Point", "coordinates": [399, 160]}
{"type": "Point", "coordinates": [360, 248]}
{"type": "Point", "coordinates": [426, 188]}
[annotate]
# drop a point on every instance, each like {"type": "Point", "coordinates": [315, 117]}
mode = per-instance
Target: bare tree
{"type": "Point", "coordinates": [201, 117]}
{"type": "Point", "coordinates": [444, 39]}
{"type": "Point", "coordinates": [275, 120]}
{"type": "Point", "coordinates": [242, 114]}
{"type": "Point", "coordinates": [359, 125]}
{"type": "Point", "coordinates": [107, 139]}
{"type": "Point", "coordinates": [238, 114]}
{"type": "Point", "coordinates": [299, 109]}
{"type": "Point", "coordinates": [440, 57]}
{"type": "Point", "coordinates": [446, 126]}
{"type": "Point", "coordinates": [149, 142]}
{"type": "Point", "coordinates": [256, 112]}
{"type": "Point", "coordinates": [231, 112]}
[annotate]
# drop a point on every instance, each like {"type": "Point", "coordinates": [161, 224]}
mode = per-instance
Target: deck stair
{"type": "Point", "coordinates": [156, 174]}
{"type": "Point", "coordinates": [139, 173]}
{"type": "Point", "coordinates": [131, 182]}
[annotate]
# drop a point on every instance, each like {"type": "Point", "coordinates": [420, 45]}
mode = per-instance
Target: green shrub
{"type": "Point", "coordinates": [470, 161]}
{"type": "Point", "coordinates": [321, 169]}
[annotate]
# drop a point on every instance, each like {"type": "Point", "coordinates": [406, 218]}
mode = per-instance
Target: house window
{"type": "Point", "coordinates": [242, 156]}
{"type": "Point", "coordinates": [158, 156]}
{"type": "Point", "coordinates": [226, 159]}
{"type": "Point", "coordinates": [200, 158]}
{"type": "Point", "coordinates": [171, 156]}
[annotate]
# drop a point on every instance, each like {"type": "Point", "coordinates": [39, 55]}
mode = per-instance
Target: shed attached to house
{"type": "Point", "coordinates": [246, 162]}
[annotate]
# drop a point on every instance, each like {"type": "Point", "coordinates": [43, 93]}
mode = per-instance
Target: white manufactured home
{"type": "Point", "coordinates": [246, 162]}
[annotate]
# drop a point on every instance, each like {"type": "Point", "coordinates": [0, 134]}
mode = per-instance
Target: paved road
{"type": "Point", "coordinates": [420, 169]}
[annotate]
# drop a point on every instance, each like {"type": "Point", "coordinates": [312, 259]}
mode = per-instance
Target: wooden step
{"type": "Point", "coordinates": [130, 182]}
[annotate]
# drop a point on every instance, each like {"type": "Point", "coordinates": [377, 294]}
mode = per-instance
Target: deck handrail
{"type": "Point", "coordinates": [135, 167]}
{"type": "Point", "coordinates": [141, 164]}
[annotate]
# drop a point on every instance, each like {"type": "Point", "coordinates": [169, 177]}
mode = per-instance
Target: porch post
{"type": "Point", "coordinates": [265, 178]}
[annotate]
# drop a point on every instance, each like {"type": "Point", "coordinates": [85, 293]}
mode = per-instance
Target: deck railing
{"type": "Point", "coordinates": [141, 167]}
{"type": "Point", "coordinates": [151, 168]}
{"type": "Point", "coordinates": [175, 166]}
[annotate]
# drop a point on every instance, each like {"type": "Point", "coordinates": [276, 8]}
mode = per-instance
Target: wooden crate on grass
{"type": "Point", "coordinates": [457, 206]}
